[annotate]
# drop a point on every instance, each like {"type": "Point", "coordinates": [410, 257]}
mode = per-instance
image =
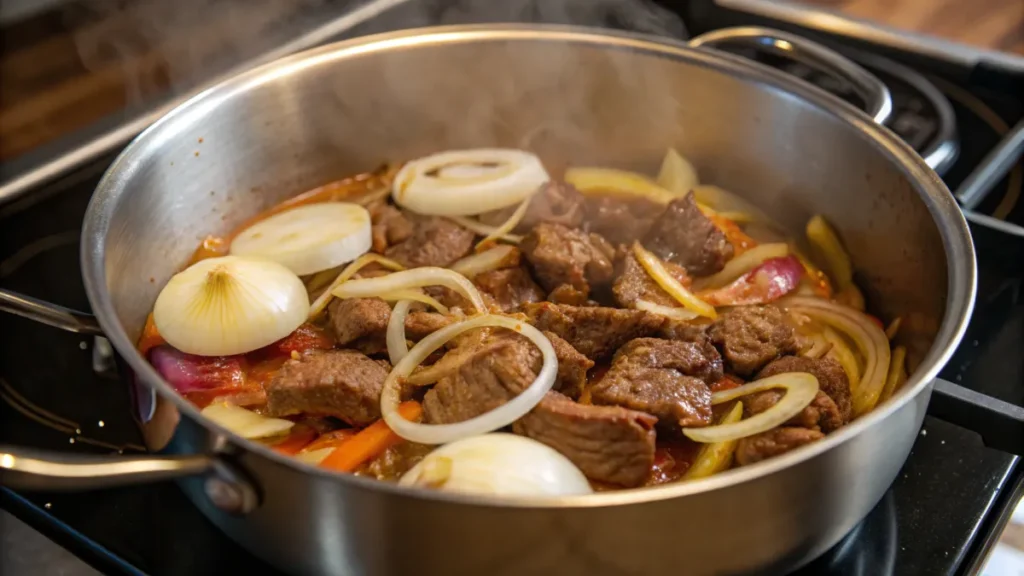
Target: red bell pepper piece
{"type": "Point", "coordinates": [771, 280]}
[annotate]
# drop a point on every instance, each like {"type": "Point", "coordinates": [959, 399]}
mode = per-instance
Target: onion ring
{"type": "Point", "coordinates": [397, 346]}
{"type": "Point", "coordinates": [414, 278]}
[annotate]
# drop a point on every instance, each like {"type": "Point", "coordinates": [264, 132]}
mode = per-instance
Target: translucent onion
{"type": "Point", "coordinates": [893, 328]}
{"type": "Point", "coordinates": [841, 353]}
{"type": "Point", "coordinates": [897, 373]}
{"type": "Point", "coordinates": [395, 337]}
{"type": "Point", "coordinates": [246, 423]}
{"type": "Point", "coordinates": [320, 304]}
{"type": "Point", "coordinates": [414, 278]}
{"type": "Point", "coordinates": [230, 305]}
{"type": "Point", "coordinates": [611, 181]}
{"type": "Point", "coordinates": [717, 456]}
{"type": "Point", "coordinates": [484, 229]}
{"type": "Point", "coordinates": [496, 258]}
{"type": "Point", "coordinates": [800, 387]}
{"type": "Point", "coordinates": [669, 284]}
{"type": "Point", "coordinates": [869, 339]}
{"type": "Point", "coordinates": [500, 417]}
{"type": "Point", "coordinates": [500, 465]}
{"type": "Point", "coordinates": [825, 239]}
{"type": "Point", "coordinates": [314, 457]}
{"type": "Point", "coordinates": [467, 182]}
{"type": "Point", "coordinates": [723, 201]}
{"type": "Point", "coordinates": [741, 264]}
{"type": "Point", "coordinates": [667, 311]}
{"type": "Point", "coordinates": [414, 295]}
{"type": "Point", "coordinates": [507, 226]}
{"type": "Point", "coordinates": [308, 239]}
{"type": "Point", "coordinates": [677, 175]}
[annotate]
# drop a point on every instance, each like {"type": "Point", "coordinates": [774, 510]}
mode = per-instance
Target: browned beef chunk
{"type": "Point", "coordinates": [607, 443]}
{"type": "Point", "coordinates": [395, 461]}
{"type": "Point", "coordinates": [554, 203]}
{"type": "Point", "coordinates": [620, 220]}
{"type": "Point", "coordinates": [634, 283]}
{"type": "Point", "coordinates": [685, 236]}
{"type": "Point", "coordinates": [832, 381]}
{"type": "Point", "coordinates": [773, 442]}
{"type": "Point", "coordinates": [822, 413]}
{"type": "Point", "coordinates": [340, 383]}
{"type": "Point", "coordinates": [691, 331]}
{"type": "Point", "coordinates": [664, 378]}
{"type": "Point", "coordinates": [434, 241]}
{"type": "Point", "coordinates": [390, 226]}
{"type": "Point", "coordinates": [750, 337]}
{"type": "Point", "coordinates": [595, 331]}
{"type": "Point", "coordinates": [572, 367]}
{"type": "Point", "coordinates": [510, 287]}
{"type": "Point", "coordinates": [362, 323]}
{"type": "Point", "coordinates": [560, 255]}
{"type": "Point", "coordinates": [566, 294]}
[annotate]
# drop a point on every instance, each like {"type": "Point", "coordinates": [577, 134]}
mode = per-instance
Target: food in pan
{"type": "Point", "coordinates": [470, 322]}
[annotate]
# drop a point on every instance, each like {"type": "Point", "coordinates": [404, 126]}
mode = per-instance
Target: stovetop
{"type": "Point", "coordinates": [941, 515]}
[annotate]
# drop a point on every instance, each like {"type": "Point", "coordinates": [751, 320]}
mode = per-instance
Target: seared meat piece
{"type": "Point", "coordinates": [434, 241]}
{"type": "Point", "coordinates": [620, 220]}
{"type": "Point", "coordinates": [554, 203]}
{"type": "Point", "coordinates": [572, 367]}
{"type": "Point", "coordinates": [390, 226]}
{"type": "Point", "coordinates": [832, 381]}
{"type": "Point", "coordinates": [772, 443]}
{"type": "Point", "coordinates": [750, 337]}
{"type": "Point", "coordinates": [595, 331]}
{"type": "Point", "coordinates": [340, 383]}
{"type": "Point", "coordinates": [685, 236]}
{"type": "Point", "coordinates": [395, 461]}
{"type": "Point", "coordinates": [560, 255]}
{"type": "Point", "coordinates": [634, 283]}
{"type": "Point", "coordinates": [668, 379]}
{"type": "Point", "coordinates": [566, 294]}
{"type": "Point", "coordinates": [822, 413]}
{"type": "Point", "coordinates": [510, 287]}
{"type": "Point", "coordinates": [691, 331]}
{"type": "Point", "coordinates": [362, 323]}
{"type": "Point", "coordinates": [607, 443]}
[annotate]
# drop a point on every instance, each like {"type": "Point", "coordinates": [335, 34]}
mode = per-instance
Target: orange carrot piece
{"type": "Point", "coordinates": [370, 442]}
{"type": "Point", "coordinates": [151, 337]}
{"type": "Point", "coordinates": [298, 438]}
{"type": "Point", "coordinates": [331, 439]}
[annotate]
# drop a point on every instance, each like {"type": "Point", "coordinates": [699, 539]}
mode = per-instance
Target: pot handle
{"type": "Point", "coordinates": [1000, 424]}
{"type": "Point", "coordinates": [876, 96]}
{"type": "Point", "coordinates": [49, 314]}
{"type": "Point", "coordinates": [29, 469]}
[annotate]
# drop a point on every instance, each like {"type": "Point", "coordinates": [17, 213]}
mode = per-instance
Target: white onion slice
{"type": "Point", "coordinates": [230, 305]}
{"type": "Point", "coordinates": [509, 225]}
{"type": "Point", "coordinates": [467, 182]}
{"type": "Point", "coordinates": [321, 302]}
{"type": "Point", "coordinates": [501, 416]}
{"type": "Point", "coordinates": [414, 295]}
{"type": "Point", "coordinates": [657, 271]}
{"type": "Point", "coordinates": [484, 229]}
{"type": "Point", "coordinates": [741, 264]}
{"type": "Point", "coordinates": [801, 388]}
{"type": "Point", "coordinates": [841, 353]}
{"type": "Point", "coordinates": [667, 311]}
{"type": "Point", "coordinates": [414, 278]}
{"type": "Point", "coordinates": [315, 457]}
{"type": "Point", "coordinates": [395, 338]}
{"type": "Point", "coordinates": [500, 465]}
{"type": "Point", "coordinates": [590, 181]}
{"type": "Point", "coordinates": [677, 175]}
{"type": "Point", "coordinates": [308, 239]}
{"type": "Point", "coordinates": [496, 258]}
{"type": "Point", "coordinates": [869, 339]}
{"type": "Point", "coordinates": [246, 423]}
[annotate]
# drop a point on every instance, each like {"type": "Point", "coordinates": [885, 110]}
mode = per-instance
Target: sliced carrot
{"type": "Point", "coordinates": [370, 442]}
{"type": "Point", "coordinates": [151, 337]}
{"type": "Point", "coordinates": [298, 438]}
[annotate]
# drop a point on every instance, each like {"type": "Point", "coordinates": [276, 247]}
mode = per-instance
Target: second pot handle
{"type": "Point", "coordinates": [876, 96]}
{"type": "Point", "coordinates": [1000, 424]}
{"type": "Point", "coordinates": [49, 314]}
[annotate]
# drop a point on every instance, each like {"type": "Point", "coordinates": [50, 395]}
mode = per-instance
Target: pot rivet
{"type": "Point", "coordinates": [225, 495]}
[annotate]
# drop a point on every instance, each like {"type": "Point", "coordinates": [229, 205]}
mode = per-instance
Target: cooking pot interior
{"type": "Point", "coordinates": [302, 123]}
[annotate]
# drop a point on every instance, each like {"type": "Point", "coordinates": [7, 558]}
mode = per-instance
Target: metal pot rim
{"type": "Point", "coordinates": [945, 212]}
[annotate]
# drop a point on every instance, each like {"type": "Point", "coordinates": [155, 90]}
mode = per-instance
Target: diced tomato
{"type": "Point", "coordinates": [727, 382]}
{"type": "Point", "coordinates": [260, 373]}
{"type": "Point", "coordinates": [306, 337]}
{"type": "Point", "coordinates": [298, 438]}
{"type": "Point", "coordinates": [671, 460]}
{"type": "Point", "coordinates": [771, 280]}
{"type": "Point", "coordinates": [739, 239]}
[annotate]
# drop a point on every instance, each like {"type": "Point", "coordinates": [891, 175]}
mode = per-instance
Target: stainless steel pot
{"type": "Point", "coordinates": [572, 95]}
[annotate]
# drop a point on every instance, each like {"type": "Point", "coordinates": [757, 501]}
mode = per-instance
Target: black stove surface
{"type": "Point", "coordinates": [940, 516]}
